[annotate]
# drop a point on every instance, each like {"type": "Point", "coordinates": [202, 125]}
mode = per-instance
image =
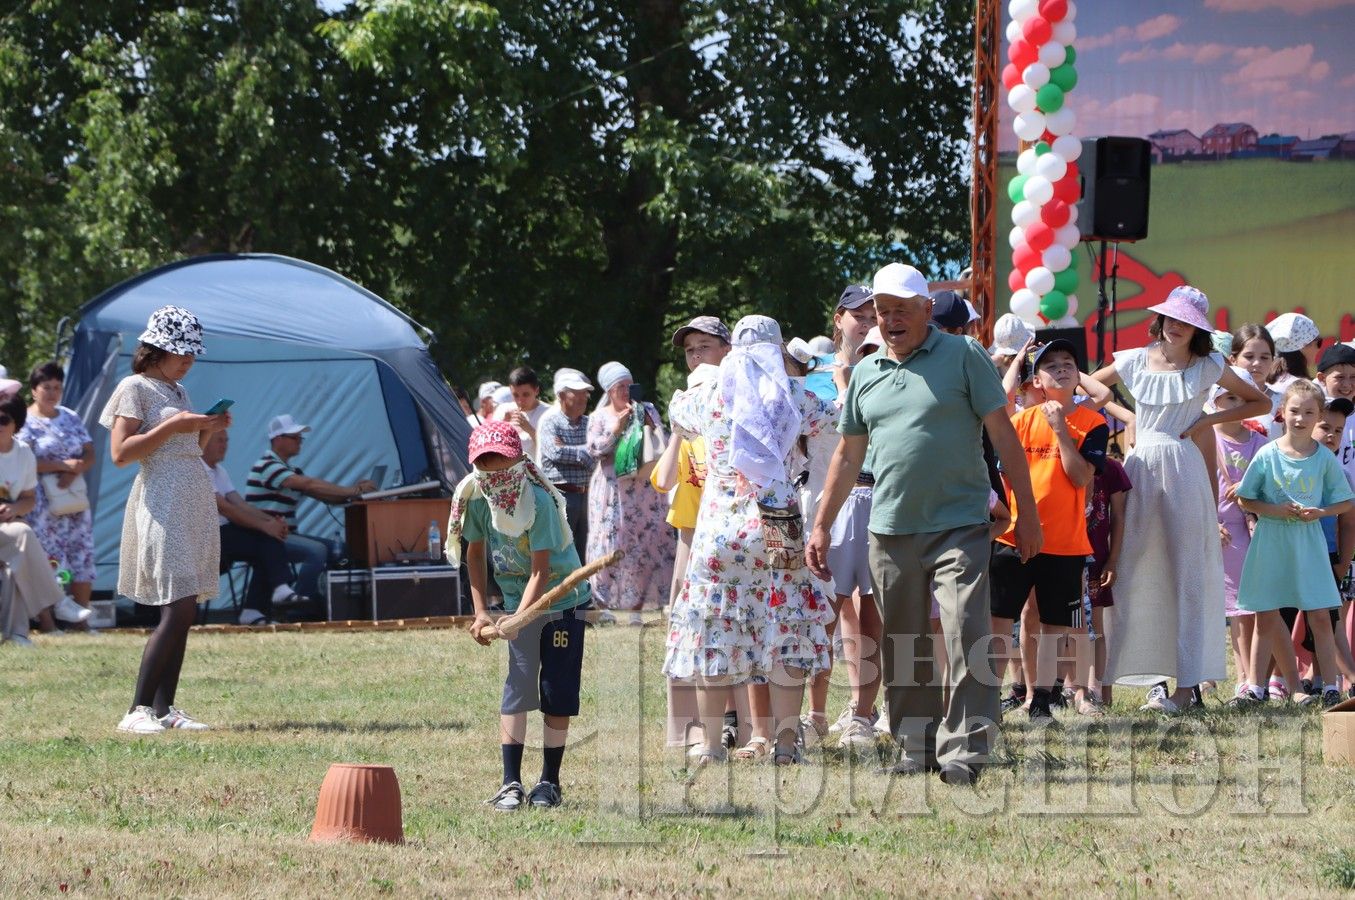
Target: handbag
{"type": "Point", "coordinates": [783, 536]}
{"type": "Point", "coordinates": [68, 500]}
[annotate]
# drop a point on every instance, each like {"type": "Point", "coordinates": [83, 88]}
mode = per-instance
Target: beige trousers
{"type": "Point", "coordinates": [34, 586]}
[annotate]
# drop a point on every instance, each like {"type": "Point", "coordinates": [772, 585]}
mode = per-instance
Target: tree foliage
{"type": "Point", "coordinates": [556, 181]}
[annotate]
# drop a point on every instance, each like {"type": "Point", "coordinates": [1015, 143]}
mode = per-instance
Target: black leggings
{"type": "Point", "coordinates": [163, 657]}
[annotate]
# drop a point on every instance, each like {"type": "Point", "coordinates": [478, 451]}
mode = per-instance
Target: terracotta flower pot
{"type": "Point", "coordinates": [359, 803]}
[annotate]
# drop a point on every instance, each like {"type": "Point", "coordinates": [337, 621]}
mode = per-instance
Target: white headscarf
{"type": "Point", "coordinates": [764, 415]}
{"type": "Point", "coordinates": [611, 374]}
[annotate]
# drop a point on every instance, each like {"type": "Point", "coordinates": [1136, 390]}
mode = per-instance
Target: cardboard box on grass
{"type": "Point", "coordinates": [1338, 734]}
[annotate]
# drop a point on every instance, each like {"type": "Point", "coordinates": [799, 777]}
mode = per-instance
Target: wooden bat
{"type": "Point", "coordinates": [527, 613]}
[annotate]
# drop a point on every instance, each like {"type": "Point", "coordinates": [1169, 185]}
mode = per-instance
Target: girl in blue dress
{"type": "Point", "coordinates": [1291, 484]}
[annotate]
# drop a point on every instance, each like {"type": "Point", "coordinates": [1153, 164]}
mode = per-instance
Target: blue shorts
{"type": "Point", "coordinates": [545, 666]}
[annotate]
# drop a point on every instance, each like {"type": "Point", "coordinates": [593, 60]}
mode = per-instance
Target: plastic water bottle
{"type": "Point", "coordinates": [434, 542]}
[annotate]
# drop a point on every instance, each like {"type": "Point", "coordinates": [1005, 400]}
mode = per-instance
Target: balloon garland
{"type": "Point", "coordinates": [1045, 190]}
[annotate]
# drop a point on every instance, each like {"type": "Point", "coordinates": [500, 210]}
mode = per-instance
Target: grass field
{"type": "Point", "coordinates": [1257, 235]}
{"type": "Point", "coordinates": [1216, 804]}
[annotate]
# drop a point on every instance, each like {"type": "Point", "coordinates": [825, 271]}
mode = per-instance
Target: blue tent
{"type": "Point", "coordinates": [282, 336]}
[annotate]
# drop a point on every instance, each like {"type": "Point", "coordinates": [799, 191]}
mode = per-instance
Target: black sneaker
{"type": "Point", "coordinates": [1330, 697]}
{"type": "Point", "coordinates": [545, 795]}
{"type": "Point", "coordinates": [509, 798]}
{"type": "Point", "coordinates": [1306, 685]}
{"type": "Point", "coordinates": [1015, 700]}
{"type": "Point", "coordinates": [1041, 716]}
{"type": "Point", "coordinates": [959, 774]}
{"type": "Point", "coordinates": [1057, 696]}
{"type": "Point", "coordinates": [1196, 698]}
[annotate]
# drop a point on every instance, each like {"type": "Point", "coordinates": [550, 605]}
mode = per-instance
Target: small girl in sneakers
{"type": "Point", "coordinates": [508, 513]}
{"type": "Point", "coordinates": [1291, 485]}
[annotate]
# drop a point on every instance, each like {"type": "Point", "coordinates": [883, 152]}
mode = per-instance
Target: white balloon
{"type": "Point", "coordinates": [1064, 33]}
{"type": "Point", "coordinates": [1056, 258]}
{"type": "Point", "coordinates": [1053, 54]}
{"type": "Point", "coordinates": [1051, 166]}
{"type": "Point", "coordinates": [1025, 213]}
{"type": "Point", "coordinates": [1061, 121]}
{"type": "Point", "coordinates": [1072, 215]}
{"type": "Point", "coordinates": [1025, 163]}
{"type": "Point", "coordinates": [1029, 126]}
{"type": "Point", "coordinates": [1023, 9]}
{"type": "Point", "coordinates": [1026, 304]}
{"type": "Point", "coordinates": [1067, 146]}
{"type": "Point", "coordinates": [1021, 98]}
{"type": "Point", "coordinates": [1067, 236]}
{"type": "Point", "coordinates": [1038, 190]}
{"type": "Point", "coordinates": [1014, 31]}
{"type": "Point", "coordinates": [1036, 75]}
{"type": "Point", "coordinates": [1068, 321]}
{"type": "Point", "coordinates": [1068, 16]}
{"type": "Point", "coordinates": [1040, 280]}
{"type": "Point", "coordinates": [1017, 236]}
{"type": "Point", "coordinates": [1072, 305]}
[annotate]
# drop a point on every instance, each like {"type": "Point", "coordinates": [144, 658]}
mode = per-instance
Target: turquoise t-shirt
{"type": "Point", "coordinates": [924, 416]}
{"type": "Point", "coordinates": [511, 558]}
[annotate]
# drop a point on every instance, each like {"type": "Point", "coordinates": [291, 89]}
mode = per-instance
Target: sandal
{"type": "Point", "coordinates": [789, 757]}
{"type": "Point", "coordinates": [1091, 706]}
{"type": "Point", "coordinates": [814, 728]}
{"type": "Point", "coordinates": [756, 749]}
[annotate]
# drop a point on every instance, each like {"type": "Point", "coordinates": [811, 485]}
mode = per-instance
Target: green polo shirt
{"type": "Point", "coordinates": [924, 417]}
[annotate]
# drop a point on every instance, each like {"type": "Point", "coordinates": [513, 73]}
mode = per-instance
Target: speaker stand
{"type": "Point", "coordinates": [1107, 306]}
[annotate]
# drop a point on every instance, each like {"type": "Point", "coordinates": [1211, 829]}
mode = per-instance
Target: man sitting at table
{"type": "Point", "coordinates": [275, 486]}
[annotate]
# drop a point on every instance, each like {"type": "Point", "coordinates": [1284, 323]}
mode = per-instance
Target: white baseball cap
{"type": "Point", "coordinates": [285, 424]}
{"type": "Point", "coordinates": [898, 280]}
{"type": "Point", "coordinates": [487, 390]}
{"type": "Point", "coordinates": [502, 395]}
{"type": "Point", "coordinates": [571, 380]}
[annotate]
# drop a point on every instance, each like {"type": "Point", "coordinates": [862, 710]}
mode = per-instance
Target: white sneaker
{"type": "Point", "coordinates": [843, 720]}
{"type": "Point", "coordinates": [67, 610]}
{"type": "Point", "coordinates": [637, 619]}
{"type": "Point", "coordinates": [812, 730]}
{"type": "Point", "coordinates": [177, 718]}
{"type": "Point", "coordinates": [858, 735]}
{"type": "Point", "coordinates": [250, 616]}
{"type": "Point", "coordinates": [141, 720]}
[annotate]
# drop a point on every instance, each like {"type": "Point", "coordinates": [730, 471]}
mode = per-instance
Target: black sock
{"type": "Point", "coordinates": [551, 757]}
{"type": "Point", "coordinates": [512, 762]}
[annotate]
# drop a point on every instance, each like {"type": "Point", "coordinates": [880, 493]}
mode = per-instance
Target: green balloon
{"type": "Point", "coordinates": [1071, 57]}
{"type": "Point", "coordinates": [1054, 305]}
{"type": "Point", "coordinates": [1041, 147]}
{"type": "Point", "coordinates": [1016, 188]}
{"type": "Point", "coordinates": [1049, 98]}
{"type": "Point", "coordinates": [1066, 281]}
{"type": "Point", "coordinates": [1063, 77]}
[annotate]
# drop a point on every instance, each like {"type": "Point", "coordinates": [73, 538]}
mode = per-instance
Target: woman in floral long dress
{"type": "Point", "coordinates": [739, 617]}
{"type": "Point", "coordinates": [625, 513]}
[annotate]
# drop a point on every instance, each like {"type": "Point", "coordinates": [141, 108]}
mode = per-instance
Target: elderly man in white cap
{"type": "Point", "coordinates": [562, 449]}
{"type": "Point", "coordinates": [484, 398]}
{"type": "Point", "coordinates": [275, 486]}
{"type": "Point", "coordinates": [922, 406]}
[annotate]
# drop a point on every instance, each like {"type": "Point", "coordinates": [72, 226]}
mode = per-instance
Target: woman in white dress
{"type": "Point", "coordinates": [748, 607]}
{"type": "Point", "coordinates": [1168, 616]}
{"type": "Point", "coordinates": [170, 541]}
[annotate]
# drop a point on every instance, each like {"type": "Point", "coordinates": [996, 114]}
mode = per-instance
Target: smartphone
{"type": "Point", "coordinates": [637, 393]}
{"type": "Point", "coordinates": [219, 407]}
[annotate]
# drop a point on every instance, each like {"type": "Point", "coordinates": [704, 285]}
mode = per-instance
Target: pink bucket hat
{"type": "Point", "coordinates": [1186, 304]}
{"type": "Point", "coordinates": [495, 437]}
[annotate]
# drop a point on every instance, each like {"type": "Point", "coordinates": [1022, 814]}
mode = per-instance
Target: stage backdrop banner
{"type": "Point", "coordinates": [1250, 109]}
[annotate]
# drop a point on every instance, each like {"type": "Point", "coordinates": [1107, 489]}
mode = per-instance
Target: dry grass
{"type": "Point", "coordinates": [228, 812]}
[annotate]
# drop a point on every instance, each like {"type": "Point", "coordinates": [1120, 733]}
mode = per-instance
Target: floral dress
{"type": "Point", "coordinates": [626, 514]}
{"type": "Point", "coordinates": [67, 539]}
{"type": "Point", "coordinates": [736, 617]}
{"type": "Point", "coordinates": [171, 544]}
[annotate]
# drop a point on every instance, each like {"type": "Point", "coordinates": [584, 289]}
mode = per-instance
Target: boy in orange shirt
{"type": "Point", "coordinates": [1065, 448]}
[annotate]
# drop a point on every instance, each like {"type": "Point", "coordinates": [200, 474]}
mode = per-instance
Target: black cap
{"type": "Point", "coordinates": [949, 310]}
{"type": "Point", "coordinates": [856, 295]}
{"type": "Point", "coordinates": [1337, 354]}
{"type": "Point", "coordinates": [1339, 405]}
{"type": "Point", "coordinates": [1037, 353]}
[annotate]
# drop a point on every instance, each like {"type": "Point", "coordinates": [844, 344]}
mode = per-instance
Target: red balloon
{"type": "Point", "coordinates": [1055, 213]}
{"type": "Point", "coordinates": [1016, 280]}
{"type": "Point", "coordinates": [1054, 10]}
{"type": "Point", "coordinates": [1039, 236]}
{"type": "Point", "coordinates": [1037, 30]}
{"type": "Point", "coordinates": [1025, 258]}
{"type": "Point", "coordinates": [1048, 136]}
{"type": "Point", "coordinates": [1022, 54]}
{"type": "Point", "coordinates": [1011, 76]}
{"type": "Point", "coordinates": [1068, 188]}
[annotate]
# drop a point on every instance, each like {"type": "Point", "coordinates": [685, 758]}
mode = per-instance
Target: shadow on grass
{"type": "Point", "coordinates": [353, 727]}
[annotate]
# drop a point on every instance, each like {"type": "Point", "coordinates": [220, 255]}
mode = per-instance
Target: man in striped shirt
{"type": "Point", "coordinates": [562, 451]}
{"type": "Point", "coordinates": [275, 487]}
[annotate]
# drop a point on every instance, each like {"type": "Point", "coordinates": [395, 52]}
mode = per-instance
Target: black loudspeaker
{"type": "Point", "coordinates": [1076, 336]}
{"type": "Point", "coordinates": [1114, 205]}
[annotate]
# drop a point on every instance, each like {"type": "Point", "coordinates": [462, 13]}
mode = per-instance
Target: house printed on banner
{"type": "Point", "coordinates": [1176, 142]}
{"type": "Point", "coordinates": [1227, 138]}
{"type": "Point", "coordinates": [1328, 147]}
{"type": "Point", "coordinates": [1276, 146]}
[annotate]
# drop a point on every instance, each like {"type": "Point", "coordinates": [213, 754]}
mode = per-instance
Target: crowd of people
{"type": "Point", "coordinates": [944, 519]}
